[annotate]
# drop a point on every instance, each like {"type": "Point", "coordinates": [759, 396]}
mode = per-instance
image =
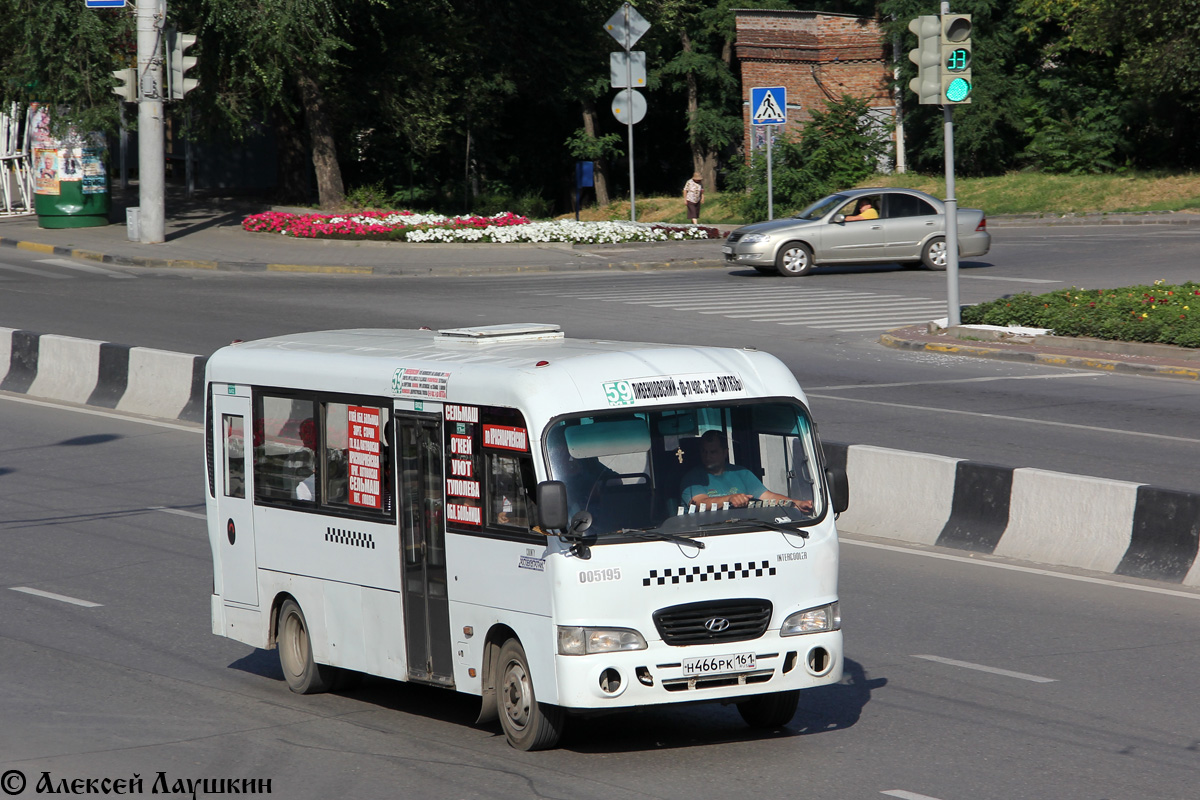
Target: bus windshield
{"type": "Point", "coordinates": [689, 469]}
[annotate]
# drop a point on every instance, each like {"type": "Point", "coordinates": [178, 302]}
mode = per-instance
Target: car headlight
{"type": "Point", "coordinates": [754, 238]}
{"type": "Point", "coordinates": [574, 641]}
{"type": "Point", "coordinates": [813, 620]}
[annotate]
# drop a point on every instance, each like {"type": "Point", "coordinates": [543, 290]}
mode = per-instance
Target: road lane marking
{"type": "Point", "coordinates": [60, 597]}
{"type": "Point", "coordinates": [94, 270]}
{"type": "Point", "coordinates": [1112, 584]}
{"type": "Point", "coordinates": [1007, 673]}
{"type": "Point", "coordinates": [998, 278]}
{"type": "Point", "coordinates": [903, 795]}
{"type": "Point", "coordinates": [952, 380]}
{"type": "Point", "coordinates": [1007, 418]}
{"type": "Point", "coordinates": [194, 428]}
{"type": "Point", "coordinates": [41, 273]}
{"type": "Point", "coordinates": [178, 512]}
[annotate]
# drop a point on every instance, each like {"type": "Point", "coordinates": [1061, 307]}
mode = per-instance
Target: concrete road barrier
{"type": "Point", "coordinates": [1030, 514]}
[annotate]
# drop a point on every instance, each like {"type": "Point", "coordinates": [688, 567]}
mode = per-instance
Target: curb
{"type": "Point", "coordinates": [1053, 354]}
{"type": "Point", "coordinates": [255, 266]}
{"type": "Point", "coordinates": [1116, 527]}
{"type": "Point", "coordinates": [1122, 528]}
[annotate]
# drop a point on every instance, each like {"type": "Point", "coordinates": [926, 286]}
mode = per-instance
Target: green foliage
{"type": "Point", "coordinates": [61, 53]}
{"type": "Point", "coordinates": [593, 148]}
{"type": "Point", "coordinates": [1162, 313]}
{"type": "Point", "coordinates": [838, 147]}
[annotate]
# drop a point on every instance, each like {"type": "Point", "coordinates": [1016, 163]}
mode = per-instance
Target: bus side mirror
{"type": "Point", "coordinates": [839, 488]}
{"type": "Point", "coordinates": [552, 505]}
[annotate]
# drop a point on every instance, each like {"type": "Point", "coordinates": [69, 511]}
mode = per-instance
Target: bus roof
{"type": "Point", "coordinates": [530, 366]}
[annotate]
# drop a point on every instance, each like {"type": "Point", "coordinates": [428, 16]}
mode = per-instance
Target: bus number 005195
{"type": "Point", "coordinates": [597, 575]}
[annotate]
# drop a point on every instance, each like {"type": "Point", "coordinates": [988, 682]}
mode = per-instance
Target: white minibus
{"type": "Point", "coordinates": [561, 527]}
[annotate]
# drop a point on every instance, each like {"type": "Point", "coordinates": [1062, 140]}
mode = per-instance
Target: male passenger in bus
{"type": "Point", "coordinates": [717, 481]}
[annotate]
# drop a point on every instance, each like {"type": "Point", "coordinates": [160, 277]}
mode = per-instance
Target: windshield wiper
{"type": "Point", "coordinates": [653, 534]}
{"type": "Point", "coordinates": [775, 526]}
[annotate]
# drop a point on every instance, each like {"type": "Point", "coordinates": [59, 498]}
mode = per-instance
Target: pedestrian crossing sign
{"type": "Point", "coordinates": [768, 105]}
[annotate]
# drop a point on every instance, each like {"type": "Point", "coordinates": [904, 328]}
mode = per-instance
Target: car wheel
{"type": "Point", "coordinates": [527, 724]}
{"type": "Point", "coordinates": [795, 260]}
{"type": "Point", "coordinates": [770, 710]}
{"type": "Point", "coordinates": [933, 255]}
{"type": "Point", "coordinates": [304, 676]}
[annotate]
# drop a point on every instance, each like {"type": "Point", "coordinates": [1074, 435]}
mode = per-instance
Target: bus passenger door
{"type": "Point", "coordinates": [423, 544]}
{"type": "Point", "coordinates": [234, 444]}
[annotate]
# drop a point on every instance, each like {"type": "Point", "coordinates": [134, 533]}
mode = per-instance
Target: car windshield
{"type": "Point", "coordinates": [822, 207]}
{"type": "Point", "coordinates": [690, 469]}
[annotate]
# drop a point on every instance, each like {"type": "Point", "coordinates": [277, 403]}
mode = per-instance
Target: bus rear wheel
{"type": "Point", "coordinates": [528, 724]}
{"type": "Point", "coordinates": [770, 710]}
{"type": "Point", "coordinates": [304, 676]}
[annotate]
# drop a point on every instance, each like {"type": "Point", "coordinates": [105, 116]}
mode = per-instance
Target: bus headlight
{"type": "Point", "coordinates": [584, 641]}
{"type": "Point", "coordinates": [813, 620]}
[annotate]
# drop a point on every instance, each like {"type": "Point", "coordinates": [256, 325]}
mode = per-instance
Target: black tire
{"type": "Point", "coordinates": [933, 254]}
{"type": "Point", "coordinates": [794, 260]}
{"type": "Point", "coordinates": [770, 710]}
{"type": "Point", "coordinates": [527, 724]}
{"type": "Point", "coordinates": [303, 675]}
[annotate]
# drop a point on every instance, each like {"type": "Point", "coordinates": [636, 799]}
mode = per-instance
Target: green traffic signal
{"type": "Point", "coordinates": [958, 90]}
{"type": "Point", "coordinates": [958, 60]}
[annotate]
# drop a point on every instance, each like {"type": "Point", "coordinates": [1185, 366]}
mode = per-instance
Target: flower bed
{"type": "Point", "coordinates": [1161, 313]}
{"type": "Point", "coordinates": [410, 227]}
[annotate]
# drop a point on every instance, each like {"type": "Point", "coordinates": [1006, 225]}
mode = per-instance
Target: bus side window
{"type": "Point", "coordinates": [337, 482]}
{"type": "Point", "coordinates": [284, 443]}
{"type": "Point", "coordinates": [507, 493]}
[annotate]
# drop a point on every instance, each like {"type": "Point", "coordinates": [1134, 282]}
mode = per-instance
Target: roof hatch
{"type": "Point", "coordinates": [512, 331]}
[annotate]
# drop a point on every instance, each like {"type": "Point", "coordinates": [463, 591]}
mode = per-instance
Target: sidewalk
{"type": "Point", "coordinates": [206, 233]}
{"type": "Point", "coordinates": [1157, 360]}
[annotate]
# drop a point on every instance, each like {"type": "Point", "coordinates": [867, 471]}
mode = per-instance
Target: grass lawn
{"type": "Point", "coordinates": [1014, 193]}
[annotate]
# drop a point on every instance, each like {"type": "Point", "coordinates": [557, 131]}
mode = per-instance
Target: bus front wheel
{"type": "Point", "coordinates": [528, 724]}
{"type": "Point", "coordinates": [770, 710]}
{"type": "Point", "coordinates": [304, 676]}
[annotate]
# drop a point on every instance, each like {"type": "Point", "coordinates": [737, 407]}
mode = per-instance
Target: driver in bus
{"type": "Point", "coordinates": [718, 481]}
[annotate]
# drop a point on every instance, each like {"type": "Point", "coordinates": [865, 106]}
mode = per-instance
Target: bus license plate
{"type": "Point", "coordinates": [716, 665]}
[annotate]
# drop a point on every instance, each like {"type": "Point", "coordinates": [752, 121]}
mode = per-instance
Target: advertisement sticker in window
{"type": "Point", "coordinates": [363, 456]}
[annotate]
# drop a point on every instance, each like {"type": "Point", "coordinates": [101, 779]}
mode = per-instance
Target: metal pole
{"type": "Point", "coordinates": [629, 124]}
{"type": "Point", "coordinates": [770, 183]}
{"type": "Point", "coordinates": [952, 310]}
{"type": "Point", "coordinates": [151, 160]}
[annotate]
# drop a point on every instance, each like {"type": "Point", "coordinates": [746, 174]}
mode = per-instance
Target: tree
{"type": "Point", "coordinates": [274, 57]}
{"type": "Point", "coordinates": [62, 54]}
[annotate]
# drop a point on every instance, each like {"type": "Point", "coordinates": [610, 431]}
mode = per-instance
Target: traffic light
{"type": "Point", "coordinates": [956, 59]}
{"type": "Point", "coordinates": [178, 64]}
{"type": "Point", "coordinates": [128, 86]}
{"type": "Point", "coordinates": [928, 58]}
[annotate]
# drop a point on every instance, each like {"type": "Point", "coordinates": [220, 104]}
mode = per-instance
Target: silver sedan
{"type": "Point", "coordinates": [859, 226]}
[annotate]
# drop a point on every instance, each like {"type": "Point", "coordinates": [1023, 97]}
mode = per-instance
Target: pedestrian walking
{"type": "Point", "coordinates": [693, 195]}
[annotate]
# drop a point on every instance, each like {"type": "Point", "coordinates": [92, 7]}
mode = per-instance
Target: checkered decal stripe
{"type": "Point", "coordinates": [725, 572]}
{"type": "Point", "coordinates": [352, 538]}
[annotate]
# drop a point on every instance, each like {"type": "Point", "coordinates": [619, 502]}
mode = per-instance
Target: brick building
{"type": "Point", "coordinates": [817, 56]}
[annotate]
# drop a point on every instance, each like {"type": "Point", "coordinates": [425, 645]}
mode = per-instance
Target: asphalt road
{"type": "Point", "coordinates": [966, 678]}
{"type": "Point", "coordinates": [825, 327]}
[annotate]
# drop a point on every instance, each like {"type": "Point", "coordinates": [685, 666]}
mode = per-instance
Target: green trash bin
{"type": "Point", "coordinates": [70, 183]}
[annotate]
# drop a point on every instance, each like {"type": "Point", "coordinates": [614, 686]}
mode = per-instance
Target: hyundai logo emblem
{"type": "Point", "coordinates": [716, 624]}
